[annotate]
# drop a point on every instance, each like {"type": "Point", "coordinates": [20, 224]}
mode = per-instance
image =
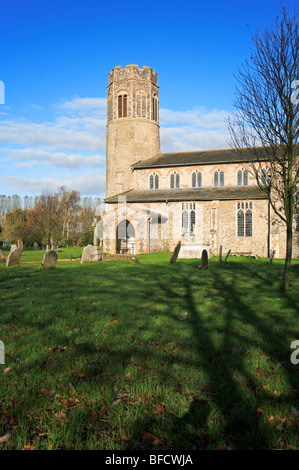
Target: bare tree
{"type": "Point", "coordinates": [266, 119]}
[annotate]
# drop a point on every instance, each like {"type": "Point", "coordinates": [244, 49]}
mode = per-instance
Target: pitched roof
{"type": "Point", "coordinates": [191, 194]}
{"type": "Point", "coordinates": [203, 157]}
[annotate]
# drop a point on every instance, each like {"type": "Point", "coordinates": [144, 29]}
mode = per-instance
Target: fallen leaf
{"type": "Point", "coordinates": [5, 437]}
{"type": "Point", "coordinates": [149, 436]}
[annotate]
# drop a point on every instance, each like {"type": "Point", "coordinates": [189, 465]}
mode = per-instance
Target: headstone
{"type": "Point", "coordinates": [20, 244]}
{"type": "Point", "coordinates": [2, 257]}
{"type": "Point", "coordinates": [6, 244]}
{"type": "Point", "coordinates": [271, 256]}
{"type": "Point", "coordinates": [49, 260]}
{"type": "Point", "coordinates": [36, 246]}
{"type": "Point", "coordinates": [204, 259]}
{"type": "Point", "coordinates": [220, 254]}
{"type": "Point", "coordinates": [48, 247]}
{"type": "Point", "coordinates": [14, 257]}
{"type": "Point", "coordinates": [87, 253]}
{"type": "Point", "coordinates": [175, 253]}
{"type": "Point", "coordinates": [225, 260]}
{"type": "Point", "coordinates": [136, 260]}
{"type": "Point", "coordinates": [53, 247]}
{"type": "Point", "coordinates": [13, 247]}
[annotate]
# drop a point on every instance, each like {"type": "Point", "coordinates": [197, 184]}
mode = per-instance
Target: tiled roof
{"type": "Point", "coordinates": [191, 194]}
{"type": "Point", "coordinates": [204, 157]}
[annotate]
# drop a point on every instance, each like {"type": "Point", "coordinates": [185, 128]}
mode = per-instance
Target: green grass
{"type": "Point", "coordinates": [120, 356]}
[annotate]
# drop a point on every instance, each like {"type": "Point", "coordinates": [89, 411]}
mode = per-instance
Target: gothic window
{"type": "Point", "coordinates": [243, 177]}
{"type": "Point", "coordinates": [154, 108]}
{"type": "Point", "coordinates": [154, 181]}
{"type": "Point", "coordinates": [196, 179]}
{"type": "Point", "coordinates": [244, 219]}
{"type": "Point", "coordinates": [218, 178]}
{"type": "Point", "coordinates": [122, 106]}
{"type": "Point", "coordinates": [174, 180]}
{"type": "Point", "coordinates": [188, 219]}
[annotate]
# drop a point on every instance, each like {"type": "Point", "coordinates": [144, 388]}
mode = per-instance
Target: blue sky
{"type": "Point", "coordinates": [55, 57]}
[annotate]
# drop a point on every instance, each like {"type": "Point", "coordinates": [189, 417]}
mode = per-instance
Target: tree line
{"type": "Point", "coordinates": [62, 218]}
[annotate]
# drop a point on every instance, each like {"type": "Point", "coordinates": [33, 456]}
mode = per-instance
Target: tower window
{"type": "Point", "coordinates": [196, 179]}
{"type": "Point", "coordinates": [154, 181]}
{"type": "Point", "coordinates": [244, 219]}
{"type": "Point", "coordinates": [122, 106]}
{"type": "Point", "coordinates": [218, 178]}
{"type": "Point", "coordinates": [154, 108]}
{"type": "Point", "coordinates": [174, 180]}
{"type": "Point", "coordinates": [243, 177]}
{"type": "Point", "coordinates": [188, 219]}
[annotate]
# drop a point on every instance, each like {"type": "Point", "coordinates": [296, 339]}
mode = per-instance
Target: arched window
{"type": "Point", "coordinates": [243, 177]}
{"type": "Point", "coordinates": [218, 178]}
{"type": "Point", "coordinates": [244, 219]}
{"type": "Point", "coordinates": [188, 219]}
{"type": "Point", "coordinates": [196, 179]}
{"type": "Point", "coordinates": [154, 181]}
{"type": "Point", "coordinates": [175, 180]}
{"type": "Point", "coordinates": [122, 106]}
{"type": "Point", "coordinates": [154, 108]}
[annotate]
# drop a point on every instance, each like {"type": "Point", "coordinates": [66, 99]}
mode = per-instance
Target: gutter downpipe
{"type": "Point", "coordinates": [149, 220]}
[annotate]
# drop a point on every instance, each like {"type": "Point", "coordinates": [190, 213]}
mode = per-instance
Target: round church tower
{"type": "Point", "coordinates": [132, 123]}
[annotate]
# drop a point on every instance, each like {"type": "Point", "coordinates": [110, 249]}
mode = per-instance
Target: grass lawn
{"type": "Point", "coordinates": [116, 356]}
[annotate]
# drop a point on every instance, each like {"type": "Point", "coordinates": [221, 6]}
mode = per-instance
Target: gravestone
{"type": "Point", "coordinates": [2, 257]}
{"type": "Point", "coordinates": [175, 253]}
{"type": "Point", "coordinates": [87, 254]}
{"type": "Point", "coordinates": [6, 244]}
{"type": "Point", "coordinates": [20, 244]}
{"type": "Point", "coordinates": [271, 256]}
{"type": "Point", "coordinates": [220, 254]}
{"type": "Point", "coordinates": [204, 259]}
{"type": "Point", "coordinates": [13, 247]}
{"type": "Point", "coordinates": [49, 260]}
{"type": "Point", "coordinates": [225, 260]}
{"type": "Point", "coordinates": [48, 247]}
{"type": "Point", "coordinates": [36, 246]}
{"type": "Point", "coordinates": [53, 248]}
{"type": "Point", "coordinates": [14, 257]}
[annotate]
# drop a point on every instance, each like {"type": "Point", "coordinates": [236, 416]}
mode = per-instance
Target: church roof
{"type": "Point", "coordinates": [191, 194]}
{"type": "Point", "coordinates": [202, 157]}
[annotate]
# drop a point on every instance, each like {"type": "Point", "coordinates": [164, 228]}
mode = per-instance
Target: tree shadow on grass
{"type": "Point", "coordinates": [225, 409]}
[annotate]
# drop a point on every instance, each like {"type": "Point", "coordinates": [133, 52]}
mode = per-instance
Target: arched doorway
{"type": "Point", "coordinates": [125, 238]}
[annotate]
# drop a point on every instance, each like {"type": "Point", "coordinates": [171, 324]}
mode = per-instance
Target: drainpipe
{"type": "Point", "coordinates": [149, 234]}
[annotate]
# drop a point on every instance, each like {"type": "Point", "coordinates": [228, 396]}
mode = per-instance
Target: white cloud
{"type": "Point", "coordinates": [86, 183]}
{"type": "Point", "coordinates": [76, 139]}
{"type": "Point", "coordinates": [196, 129]}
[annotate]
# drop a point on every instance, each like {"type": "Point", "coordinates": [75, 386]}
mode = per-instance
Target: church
{"type": "Point", "coordinates": [205, 199]}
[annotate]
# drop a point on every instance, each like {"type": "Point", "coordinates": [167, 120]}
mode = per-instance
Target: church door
{"type": "Point", "coordinates": [125, 238]}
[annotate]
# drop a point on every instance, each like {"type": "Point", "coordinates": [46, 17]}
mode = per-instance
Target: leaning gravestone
{"type": "Point", "coordinates": [49, 260]}
{"type": "Point", "coordinates": [204, 260]}
{"type": "Point", "coordinates": [225, 260]}
{"type": "Point", "coordinates": [14, 257]}
{"type": "Point", "coordinates": [2, 257]}
{"type": "Point", "coordinates": [271, 256]}
{"type": "Point", "coordinates": [175, 253]}
{"type": "Point", "coordinates": [13, 247]}
{"type": "Point", "coordinates": [36, 246]}
{"type": "Point", "coordinates": [87, 254]}
{"type": "Point", "coordinates": [20, 244]}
